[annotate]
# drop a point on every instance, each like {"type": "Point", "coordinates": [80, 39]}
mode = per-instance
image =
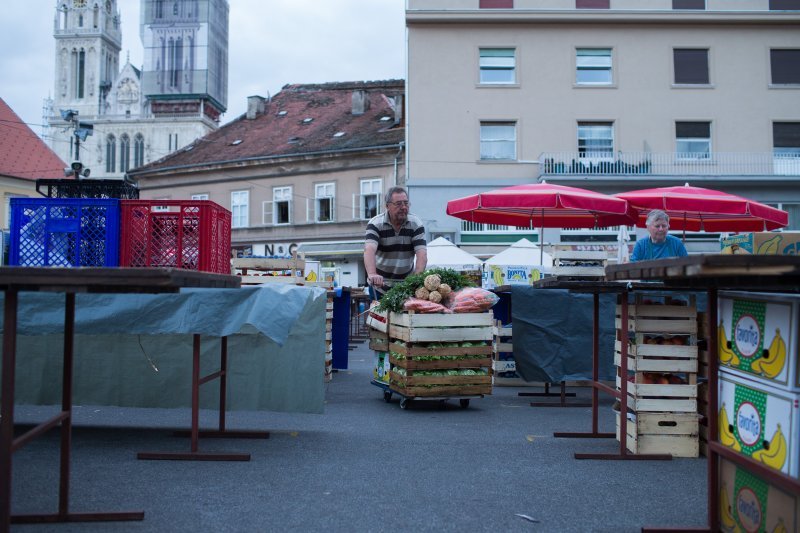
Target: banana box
{"type": "Point", "coordinates": [748, 503]}
{"type": "Point", "coordinates": [380, 371]}
{"type": "Point", "coordinates": [499, 275]}
{"type": "Point", "coordinates": [760, 421]}
{"type": "Point", "coordinates": [763, 243]}
{"type": "Point", "coordinates": [757, 337]}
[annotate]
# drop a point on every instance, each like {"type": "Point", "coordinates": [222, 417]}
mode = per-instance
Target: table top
{"type": "Point", "coordinates": [759, 272]}
{"type": "Point", "coordinates": [111, 279]}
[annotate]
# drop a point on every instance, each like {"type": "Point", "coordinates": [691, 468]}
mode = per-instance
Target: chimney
{"type": "Point", "coordinates": [360, 102]}
{"type": "Point", "coordinates": [256, 105]}
{"type": "Point", "coordinates": [399, 109]}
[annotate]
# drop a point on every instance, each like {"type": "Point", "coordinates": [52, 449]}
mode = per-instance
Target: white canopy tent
{"type": "Point", "coordinates": [444, 254]}
{"type": "Point", "coordinates": [521, 263]}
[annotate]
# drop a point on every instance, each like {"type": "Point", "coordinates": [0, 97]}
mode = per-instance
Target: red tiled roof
{"type": "Point", "coordinates": [275, 133]}
{"type": "Point", "coordinates": [22, 153]}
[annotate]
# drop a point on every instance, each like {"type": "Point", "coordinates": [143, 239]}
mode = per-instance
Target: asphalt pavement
{"type": "Point", "coordinates": [363, 465]}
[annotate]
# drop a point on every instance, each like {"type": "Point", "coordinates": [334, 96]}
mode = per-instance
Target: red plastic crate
{"type": "Point", "coordinates": [189, 234]}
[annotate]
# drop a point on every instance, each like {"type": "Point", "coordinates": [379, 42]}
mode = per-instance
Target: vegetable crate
{"type": "Point", "coordinates": [64, 232]}
{"type": "Point", "coordinates": [662, 363]}
{"type": "Point", "coordinates": [188, 234]}
{"type": "Point", "coordinates": [440, 355]}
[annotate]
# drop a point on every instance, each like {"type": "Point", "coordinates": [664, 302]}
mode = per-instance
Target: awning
{"type": "Point", "coordinates": [332, 249]}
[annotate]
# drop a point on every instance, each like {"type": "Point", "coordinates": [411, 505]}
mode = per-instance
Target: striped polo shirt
{"type": "Point", "coordinates": [394, 259]}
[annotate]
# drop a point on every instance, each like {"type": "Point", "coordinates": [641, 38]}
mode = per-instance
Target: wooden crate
{"type": "Point", "coordinates": [378, 340]}
{"type": "Point", "coordinates": [328, 342]}
{"type": "Point", "coordinates": [503, 343]}
{"type": "Point", "coordinates": [662, 433]}
{"type": "Point", "coordinates": [418, 327]}
{"type": "Point", "coordinates": [661, 398]}
{"type": "Point", "coordinates": [658, 358]}
{"type": "Point", "coordinates": [564, 259]}
{"type": "Point", "coordinates": [660, 319]}
{"type": "Point", "coordinates": [440, 386]}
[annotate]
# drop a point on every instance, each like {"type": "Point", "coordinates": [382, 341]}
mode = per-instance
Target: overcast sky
{"type": "Point", "coordinates": [271, 43]}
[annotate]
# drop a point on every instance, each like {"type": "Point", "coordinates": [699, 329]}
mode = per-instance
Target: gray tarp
{"type": "Point", "coordinates": [553, 334]}
{"type": "Point", "coordinates": [135, 350]}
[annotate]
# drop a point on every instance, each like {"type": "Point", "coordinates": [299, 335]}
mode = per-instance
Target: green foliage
{"type": "Point", "coordinates": [395, 297]}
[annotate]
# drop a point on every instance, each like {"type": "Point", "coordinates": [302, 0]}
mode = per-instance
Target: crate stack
{"type": "Point", "coordinates": [759, 417]}
{"type": "Point", "coordinates": [440, 355]}
{"type": "Point", "coordinates": [109, 231]}
{"type": "Point", "coordinates": [578, 263]}
{"type": "Point", "coordinates": [662, 375]}
{"type": "Point", "coordinates": [504, 367]}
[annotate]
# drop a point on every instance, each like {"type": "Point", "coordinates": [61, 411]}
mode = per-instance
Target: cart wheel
{"type": "Point", "coordinates": [442, 404]}
{"type": "Point", "coordinates": [464, 402]}
{"type": "Point", "coordinates": [404, 403]}
{"type": "Point", "coordinates": [387, 396]}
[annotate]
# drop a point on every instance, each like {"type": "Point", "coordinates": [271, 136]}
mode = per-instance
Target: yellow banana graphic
{"type": "Point", "coordinates": [780, 527]}
{"type": "Point", "coordinates": [775, 457]}
{"type": "Point", "coordinates": [773, 364]}
{"type": "Point", "coordinates": [726, 355]}
{"type": "Point", "coordinates": [726, 517]}
{"type": "Point", "coordinates": [769, 247]}
{"type": "Point", "coordinates": [726, 437]}
{"type": "Point", "coordinates": [497, 275]}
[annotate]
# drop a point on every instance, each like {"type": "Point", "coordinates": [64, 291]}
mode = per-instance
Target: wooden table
{"type": "Point", "coordinates": [70, 281]}
{"type": "Point", "coordinates": [712, 273]}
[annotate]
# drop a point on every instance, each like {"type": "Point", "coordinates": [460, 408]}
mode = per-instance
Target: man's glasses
{"type": "Point", "coordinates": [400, 204]}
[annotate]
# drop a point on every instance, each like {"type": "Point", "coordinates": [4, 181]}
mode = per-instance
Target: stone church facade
{"type": "Point", "coordinates": [136, 115]}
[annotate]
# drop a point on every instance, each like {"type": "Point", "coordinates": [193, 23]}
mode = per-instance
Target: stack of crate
{"type": "Point", "coordinates": [329, 338]}
{"type": "Point", "coordinates": [440, 355]}
{"type": "Point", "coordinates": [662, 380]}
{"type": "Point", "coordinates": [504, 368]}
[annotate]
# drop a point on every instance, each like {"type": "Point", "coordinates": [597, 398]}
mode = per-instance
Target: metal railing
{"type": "Point", "coordinates": [669, 164]}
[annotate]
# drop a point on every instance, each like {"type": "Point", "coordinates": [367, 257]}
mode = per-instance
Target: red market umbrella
{"type": "Point", "coordinates": [698, 209]}
{"type": "Point", "coordinates": [543, 205]}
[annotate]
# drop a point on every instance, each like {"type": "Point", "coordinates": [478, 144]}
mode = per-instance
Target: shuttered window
{"type": "Point", "coordinates": [693, 140]}
{"type": "Point", "coordinates": [691, 66]}
{"type": "Point", "coordinates": [785, 66]}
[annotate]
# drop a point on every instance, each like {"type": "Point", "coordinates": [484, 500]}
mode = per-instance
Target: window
{"type": "Point", "coordinates": [138, 150]}
{"type": "Point", "coordinates": [173, 141]}
{"type": "Point", "coordinates": [124, 153]}
{"type": "Point", "coordinates": [592, 4]}
{"type": "Point", "coordinates": [593, 66]}
{"type": "Point", "coordinates": [498, 141]}
{"type": "Point", "coordinates": [785, 66]}
{"type": "Point", "coordinates": [498, 65]}
{"type": "Point", "coordinates": [370, 198]}
{"type": "Point", "coordinates": [691, 66]}
{"type": "Point", "coordinates": [240, 206]}
{"type": "Point", "coordinates": [496, 4]}
{"type": "Point", "coordinates": [282, 202]}
{"type": "Point", "coordinates": [693, 140]}
{"type": "Point", "coordinates": [786, 148]}
{"type": "Point", "coordinates": [688, 4]}
{"type": "Point", "coordinates": [111, 154]}
{"type": "Point", "coordinates": [324, 197]}
{"type": "Point", "coordinates": [79, 72]}
{"type": "Point", "coordinates": [784, 5]}
{"type": "Point", "coordinates": [595, 140]}
{"type": "Point", "coordinates": [202, 196]}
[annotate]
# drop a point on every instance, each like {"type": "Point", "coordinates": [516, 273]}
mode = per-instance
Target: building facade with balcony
{"type": "Point", "coordinates": [301, 171]}
{"type": "Point", "coordinates": [609, 95]}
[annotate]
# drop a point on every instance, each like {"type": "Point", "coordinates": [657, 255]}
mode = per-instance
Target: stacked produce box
{"type": "Point", "coordinates": [329, 338]}
{"type": "Point", "coordinates": [662, 375]}
{"type": "Point", "coordinates": [440, 355]}
{"type": "Point", "coordinates": [504, 366]}
{"type": "Point", "coordinates": [759, 393]}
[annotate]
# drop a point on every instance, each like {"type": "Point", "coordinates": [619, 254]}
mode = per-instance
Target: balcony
{"type": "Point", "coordinates": [672, 164]}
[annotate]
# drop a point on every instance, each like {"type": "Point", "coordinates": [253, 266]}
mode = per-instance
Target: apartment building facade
{"type": "Point", "coordinates": [609, 95]}
{"type": "Point", "coordinates": [302, 171]}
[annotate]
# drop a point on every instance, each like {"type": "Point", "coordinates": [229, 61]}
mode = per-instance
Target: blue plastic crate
{"type": "Point", "coordinates": [64, 232]}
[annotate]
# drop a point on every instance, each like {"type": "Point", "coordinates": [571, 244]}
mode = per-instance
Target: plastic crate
{"type": "Point", "coordinates": [71, 188]}
{"type": "Point", "coordinates": [64, 232]}
{"type": "Point", "coordinates": [188, 234]}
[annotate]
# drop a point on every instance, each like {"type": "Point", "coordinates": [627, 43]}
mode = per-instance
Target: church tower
{"type": "Point", "coordinates": [88, 43]}
{"type": "Point", "coordinates": [137, 115]}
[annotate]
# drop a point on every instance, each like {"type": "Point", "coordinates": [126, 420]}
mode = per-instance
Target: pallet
{"type": "Point", "coordinates": [676, 434]}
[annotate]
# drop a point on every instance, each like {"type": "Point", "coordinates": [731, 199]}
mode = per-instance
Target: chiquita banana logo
{"type": "Point", "coordinates": [769, 247]}
{"type": "Point", "coordinates": [726, 517]}
{"type": "Point", "coordinates": [775, 456]}
{"type": "Point", "coordinates": [726, 355]}
{"type": "Point", "coordinates": [726, 437]}
{"type": "Point", "coordinates": [772, 365]}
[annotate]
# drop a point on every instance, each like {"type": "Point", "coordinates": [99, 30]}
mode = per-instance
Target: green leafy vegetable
{"type": "Point", "coordinates": [395, 297]}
